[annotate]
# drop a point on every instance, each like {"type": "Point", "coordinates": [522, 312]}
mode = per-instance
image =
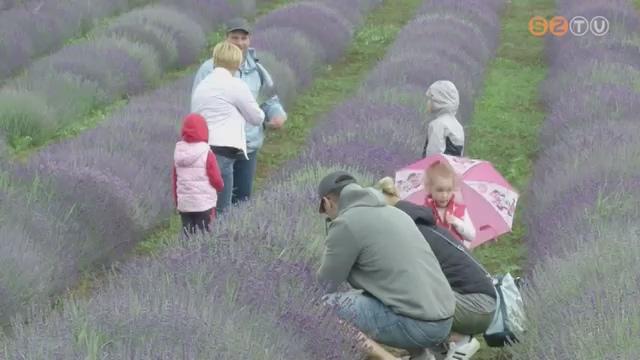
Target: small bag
{"type": "Point", "coordinates": [509, 317]}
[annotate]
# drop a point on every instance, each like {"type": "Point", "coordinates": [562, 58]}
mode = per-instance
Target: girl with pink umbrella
{"type": "Point", "coordinates": [469, 196]}
{"type": "Point", "coordinates": [440, 182]}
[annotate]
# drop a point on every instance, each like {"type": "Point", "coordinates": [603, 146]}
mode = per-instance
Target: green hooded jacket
{"type": "Point", "coordinates": [379, 249]}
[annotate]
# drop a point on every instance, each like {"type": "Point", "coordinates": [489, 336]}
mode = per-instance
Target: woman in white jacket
{"type": "Point", "coordinates": [227, 104]}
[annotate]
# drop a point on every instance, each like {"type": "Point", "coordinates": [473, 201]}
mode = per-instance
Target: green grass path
{"type": "Point", "coordinates": [506, 122]}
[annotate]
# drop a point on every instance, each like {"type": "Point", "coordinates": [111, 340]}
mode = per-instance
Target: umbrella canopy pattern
{"type": "Point", "coordinates": [489, 198]}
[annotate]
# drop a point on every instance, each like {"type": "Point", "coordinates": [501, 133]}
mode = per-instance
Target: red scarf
{"type": "Point", "coordinates": [454, 208]}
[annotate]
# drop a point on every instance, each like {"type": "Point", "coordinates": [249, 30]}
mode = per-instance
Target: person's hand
{"type": "Point", "coordinates": [276, 122]}
{"type": "Point", "coordinates": [451, 219]}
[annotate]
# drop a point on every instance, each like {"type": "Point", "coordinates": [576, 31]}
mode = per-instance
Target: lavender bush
{"type": "Point", "coordinates": [296, 41]}
{"type": "Point", "coordinates": [322, 24]}
{"type": "Point", "coordinates": [454, 55]}
{"type": "Point", "coordinates": [175, 28]}
{"type": "Point", "coordinates": [32, 230]}
{"type": "Point", "coordinates": [207, 297]}
{"type": "Point", "coordinates": [293, 49]}
{"type": "Point", "coordinates": [107, 179]}
{"type": "Point", "coordinates": [583, 305]}
{"type": "Point", "coordinates": [210, 13]}
{"type": "Point", "coordinates": [259, 261]}
{"type": "Point", "coordinates": [34, 28]}
{"type": "Point", "coordinates": [339, 138]}
{"type": "Point", "coordinates": [580, 109]}
{"type": "Point", "coordinates": [122, 59]}
{"type": "Point", "coordinates": [582, 221]}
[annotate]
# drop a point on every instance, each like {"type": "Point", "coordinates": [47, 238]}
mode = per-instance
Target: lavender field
{"type": "Point", "coordinates": [119, 59]}
{"type": "Point", "coordinates": [32, 28]}
{"type": "Point", "coordinates": [253, 277]}
{"type": "Point", "coordinates": [584, 257]}
{"type": "Point", "coordinates": [247, 290]}
{"type": "Point", "coordinates": [94, 200]}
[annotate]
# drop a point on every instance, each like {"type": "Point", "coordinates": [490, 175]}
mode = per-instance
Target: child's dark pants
{"type": "Point", "coordinates": [196, 220]}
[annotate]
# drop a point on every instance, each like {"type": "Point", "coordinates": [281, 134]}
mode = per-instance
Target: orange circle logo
{"type": "Point", "coordinates": [559, 26]}
{"type": "Point", "coordinates": [538, 26]}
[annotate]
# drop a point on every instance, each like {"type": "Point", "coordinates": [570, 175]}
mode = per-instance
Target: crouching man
{"type": "Point", "coordinates": [402, 298]}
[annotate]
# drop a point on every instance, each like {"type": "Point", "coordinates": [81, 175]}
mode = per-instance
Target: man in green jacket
{"type": "Point", "coordinates": [402, 297]}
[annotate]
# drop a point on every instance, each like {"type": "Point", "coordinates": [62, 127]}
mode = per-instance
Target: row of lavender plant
{"type": "Point", "coordinates": [125, 57]}
{"type": "Point", "coordinates": [32, 28]}
{"type": "Point", "coordinates": [264, 254]}
{"type": "Point", "coordinates": [383, 127]}
{"type": "Point", "coordinates": [583, 236]}
{"type": "Point", "coordinates": [12, 4]}
{"type": "Point", "coordinates": [106, 187]}
{"type": "Point", "coordinates": [204, 299]}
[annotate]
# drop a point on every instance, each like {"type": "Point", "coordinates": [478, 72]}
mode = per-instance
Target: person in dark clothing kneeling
{"type": "Point", "coordinates": [472, 286]}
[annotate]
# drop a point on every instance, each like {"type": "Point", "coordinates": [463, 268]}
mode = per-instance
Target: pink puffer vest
{"type": "Point", "coordinates": [194, 190]}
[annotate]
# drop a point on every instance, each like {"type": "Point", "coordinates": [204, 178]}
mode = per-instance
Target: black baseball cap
{"type": "Point", "coordinates": [238, 24]}
{"type": "Point", "coordinates": [332, 183]}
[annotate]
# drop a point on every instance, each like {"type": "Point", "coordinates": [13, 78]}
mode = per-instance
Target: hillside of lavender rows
{"type": "Point", "coordinates": [91, 202]}
{"type": "Point", "coordinates": [120, 57]}
{"type": "Point", "coordinates": [583, 259]}
{"type": "Point", "coordinates": [243, 292]}
{"type": "Point", "coordinates": [260, 274]}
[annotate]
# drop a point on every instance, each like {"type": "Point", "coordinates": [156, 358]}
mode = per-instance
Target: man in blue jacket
{"type": "Point", "coordinates": [259, 82]}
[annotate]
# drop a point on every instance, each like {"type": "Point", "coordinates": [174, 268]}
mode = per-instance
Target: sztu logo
{"type": "Point", "coordinates": [559, 26]}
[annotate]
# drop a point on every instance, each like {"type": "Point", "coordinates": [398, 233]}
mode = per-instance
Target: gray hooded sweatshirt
{"type": "Point", "coordinates": [379, 249]}
{"type": "Point", "coordinates": [445, 134]}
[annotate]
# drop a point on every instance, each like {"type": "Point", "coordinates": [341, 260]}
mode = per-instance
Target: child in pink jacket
{"type": "Point", "coordinates": [196, 176]}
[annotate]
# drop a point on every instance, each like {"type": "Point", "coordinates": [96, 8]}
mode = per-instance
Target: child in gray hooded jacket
{"type": "Point", "coordinates": [445, 134]}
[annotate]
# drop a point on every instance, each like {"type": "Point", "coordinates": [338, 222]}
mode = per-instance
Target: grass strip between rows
{"type": "Point", "coordinates": [506, 123]}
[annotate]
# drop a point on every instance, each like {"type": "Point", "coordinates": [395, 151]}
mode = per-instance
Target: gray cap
{"type": "Point", "coordinates": [334, 182]}
{"type": "Point", "coordinates": [238, 24]}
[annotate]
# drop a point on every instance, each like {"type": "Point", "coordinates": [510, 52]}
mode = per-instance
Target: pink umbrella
{"type": "Point", "coordinates": [489, 198]}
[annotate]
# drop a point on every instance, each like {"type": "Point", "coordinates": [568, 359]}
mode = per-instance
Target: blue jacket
{"type": "Point", "coordinates": [257, 78]}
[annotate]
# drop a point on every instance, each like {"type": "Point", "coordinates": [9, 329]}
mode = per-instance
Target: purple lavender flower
{"type": "Point", "coordinates": [173, 27]}
{"type": "Point", "coordinates": [581, 295]}
{"type": "Point", "coordinates": [583, 198]}
{"type": "Point", "coordinates": [320, 23]}
{"type": "Point", "coordinates": [422, 72]}
{"type": "Point", "coordinates": [292, 47]}
{"type": "Point", "coordinates": [245, 289]}
{"type": "Point", "coordinates": [39, 27]}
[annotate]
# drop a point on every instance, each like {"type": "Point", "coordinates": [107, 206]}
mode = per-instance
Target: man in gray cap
{"type": "Point", "coordinates": [258, 79]}
{"type": "Point", "coordinates": [402, 297]}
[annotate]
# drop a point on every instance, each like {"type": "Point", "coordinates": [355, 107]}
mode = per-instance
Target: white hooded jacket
{"type": "Point", "coordinates": [445, 134]}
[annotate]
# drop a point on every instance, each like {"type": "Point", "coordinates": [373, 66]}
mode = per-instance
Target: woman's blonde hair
{"type": "Point", "coordinates": [387, 186]}
{"type": "Point", "coordinates": [227, 55]}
